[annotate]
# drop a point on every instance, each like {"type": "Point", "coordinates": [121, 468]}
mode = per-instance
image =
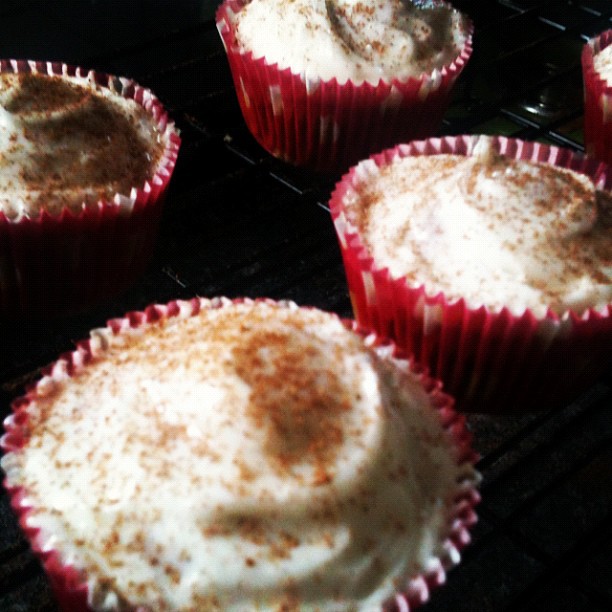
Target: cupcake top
{"type": "Point", "coordinates": [495, 231]}
{"type": "Point", "coordinates": [362, 41]}
{"type": "Point", "coordinates": [67, 142]}
{"type": "Point", "coordinates": [238, 456]}
{"type": "Point", "coordinates": [602, 63]}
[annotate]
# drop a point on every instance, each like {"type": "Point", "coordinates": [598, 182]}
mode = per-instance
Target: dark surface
{"type": "Point", "coordinates": [238, 222]}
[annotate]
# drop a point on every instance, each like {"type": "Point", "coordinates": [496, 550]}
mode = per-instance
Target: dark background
{"type": "Point", "coordinates": [238, 222]}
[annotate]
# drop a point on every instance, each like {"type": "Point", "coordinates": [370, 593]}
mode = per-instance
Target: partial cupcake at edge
{"type": "Point", "coordinates": [86, 162]}
{"type": "Point", "coordinates": [597, 79]}
{"type": "Point", "coordinates": [234, 455]}
{"type": "Point", "coordinates": [488, 260]}
{"type": "Point", "coordinates": [325, 84]}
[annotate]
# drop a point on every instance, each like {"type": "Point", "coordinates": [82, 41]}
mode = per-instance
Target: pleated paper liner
{"type": "Point", "coordinates": [327, 126]}
{"type": "Point", "coordinates": [494, 362]}
{"type": "Point", "coordinates": [54, 264]}
{"type": "Point", "coordinates": [70, 583]}
{"type": "Point", "coordinates": [597, 101]}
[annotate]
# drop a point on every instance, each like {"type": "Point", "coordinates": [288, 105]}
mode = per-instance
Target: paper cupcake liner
{"type": "Point", "coordinates": [54, 264]}
{"type": "Point", "coordinates": [70, 584]}
{"type": "Point", "coordinates": [597, 102]}
{"type": "Point", "coordinates": [495, 362]}
{"type": "Point", "coordinates": [323, 125]}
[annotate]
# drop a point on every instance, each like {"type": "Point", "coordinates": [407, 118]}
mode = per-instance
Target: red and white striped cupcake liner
{"type": "Point", "coordinates": [53, 264]}
{"type": "Point", "coordinates": [69, 583]}
{"type": "Point", "coordinates": [495, 362]}
{"type": "Point", "coordinates": [327, 126]}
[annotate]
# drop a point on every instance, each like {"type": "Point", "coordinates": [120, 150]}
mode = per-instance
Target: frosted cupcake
{"type": "Point", "coordinates": [488, 259]}
{"type": "Point", "coordinates": [217, 455]}
{"type": "Point", "coordinates": [324, 84]}
{"type": "Point", "coordinates": [86, 160]}
{"type": "Point", "coordinates": [597, 77]}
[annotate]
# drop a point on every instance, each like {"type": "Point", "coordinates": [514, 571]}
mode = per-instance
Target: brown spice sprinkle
{"type": "Point", "coordinates": [298, 403]}
{"type": "Point", "coordinates": [429, 26]}
{"type": "Point", "coordinates": [93, 144]}
{"type": "Point", "coordinates": [277, 543]}
{"type": "Point", "coordinates": [36, 93]}
{"type": "Point", "coordinates": [296, 396]}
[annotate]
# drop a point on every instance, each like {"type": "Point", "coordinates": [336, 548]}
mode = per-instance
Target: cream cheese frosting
{"type": "Point", "coordinates": [360, 40]}
{"type": "Point", "coordinates": [67, 142]}
{"type": "Point", "coordinates": [495, 231]}
{"type": "Point", "coordinates": [252, 456]}
{"type": "Point", "coordinates": [602, 62]}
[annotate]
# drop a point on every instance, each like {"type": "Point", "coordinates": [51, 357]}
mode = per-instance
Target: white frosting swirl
{"type": "Point", "coordinates": [488, 229]}
{"type": "Point", "coordinates": [360, 40]}
{"type": "Point", "coordinates": [602, 62]}
{"type": "Point", "coordinates": [248, 457]}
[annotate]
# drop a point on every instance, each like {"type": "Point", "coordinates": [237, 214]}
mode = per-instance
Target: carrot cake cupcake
{"type": "Point", "coordinates": [323, 84]}
{"type": "Point", "coordinates": [479, 255]}
{"type": "Point", "coordinates": [597, 77]}
{"type": "Point", "coordinates": [85, 161]}
{"type": "Point", "coordinates": [217, 455]}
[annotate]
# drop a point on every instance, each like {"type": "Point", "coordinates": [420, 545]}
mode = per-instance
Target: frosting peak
{"type": "Point", "coordinates": [565, 202]}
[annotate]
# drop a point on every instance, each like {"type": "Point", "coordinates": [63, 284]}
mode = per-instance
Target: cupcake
{"type": "Point", "coordinates": [488, 261]}
{"type": "Point", "coordinates": [324, 84]}
{"type": "Point", "coordinates": [597, 77]}
{"type": "Point", "coordinates": [86, 160]}
{"type": "Point", "coordinates": [232, 455]}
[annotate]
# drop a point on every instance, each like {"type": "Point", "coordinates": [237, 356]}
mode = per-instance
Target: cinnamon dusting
{"type": "Point", "coordinates": [77, 140]}
{"type": "Point", "coordinates": [299, 403]}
